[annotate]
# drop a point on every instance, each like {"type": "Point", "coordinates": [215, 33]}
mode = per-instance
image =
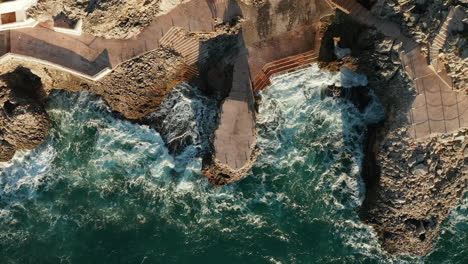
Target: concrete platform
{"type": "Point", "coordinates": [236, 137]}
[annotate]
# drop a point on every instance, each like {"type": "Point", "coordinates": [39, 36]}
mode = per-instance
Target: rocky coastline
{"type": "Point", "coordinates": [411, 183]}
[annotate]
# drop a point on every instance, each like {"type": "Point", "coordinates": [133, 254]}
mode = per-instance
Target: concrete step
{"type": "Point", "coordinates": [186, 45]}
{"type": "Point", "coordinates": [165, 39]}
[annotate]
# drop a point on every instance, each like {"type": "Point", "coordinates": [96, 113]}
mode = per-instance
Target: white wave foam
{"type": "Point", "coordinates": [26, 171]}
{"type": "Point", "coordinates": [308, 173]}
{"type": "Point", "coordinates": [301, 128]}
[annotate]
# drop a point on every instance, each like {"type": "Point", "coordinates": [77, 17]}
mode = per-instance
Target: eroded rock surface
{"type": "Point", "coordinates": [24, 123]}
{"type": "Point", "coordinates": [410, 184]}
{"type": "Point", "coordinates": [219, 174]}
{"type": "Point", "coordinates": [135, 88]}
{"type": "Point", "coordinates": [106, 18]}
{"type": "Point", "coordinates": [420, 180]}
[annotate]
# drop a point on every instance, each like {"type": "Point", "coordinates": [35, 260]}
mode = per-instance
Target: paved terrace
{"type": "Point", "coordinates": [437, 107]}
{"type": "Point", "coordinates": [93, 57]}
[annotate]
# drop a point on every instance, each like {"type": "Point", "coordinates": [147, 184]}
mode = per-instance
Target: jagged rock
{"type": "Point", "coordinates": [26, 126]}
{"type": "Point", "coordinates": [385, 46]}
{"type": "Point", "coordinates": [359, 95]}
{"type": "Point", "coordinates": [410, 184]}
{"type": "Point", "coordinates": [220, 175]}
{"type": "Point", "coordinates": [137, 87]}
{"type": "Point", "coordinates": [7, 151]}
{"type": "Point", "coordinates": [24, 123]}
{"type": "Point", "coordinates": [109, 18]}
{"type": "Point", "coordinates": [420, 170]}
{"type": "Point", "coordinates": [4, 93]}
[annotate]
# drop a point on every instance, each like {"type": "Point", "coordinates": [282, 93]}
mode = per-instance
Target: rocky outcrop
{"type": "Point", "coordinates": [219, 174]}
{"type": "Point", "coordinates": [358, 95]}
{"type": "Point", "coordinates": [135, 88]}
{"type": "Point", "coordinates": [7, 151]}
{"type": "Point", "coordinates": [423, 20]}
{"type": "Point", "coordinates": [104, 18]}
{"type": "Point", "coordinates": [420, 180]}
{"type": "Point", "coordinates": [24, 123]}
{"type": "Point", "coordinates": [410, 184]}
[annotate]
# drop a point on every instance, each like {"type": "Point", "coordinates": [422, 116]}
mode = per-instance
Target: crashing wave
{"type": "Point", "coordinates": [101, 183]}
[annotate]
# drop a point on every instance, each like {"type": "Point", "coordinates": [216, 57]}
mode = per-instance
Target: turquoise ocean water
{"type": "Point", "coordinates": [105, 190]}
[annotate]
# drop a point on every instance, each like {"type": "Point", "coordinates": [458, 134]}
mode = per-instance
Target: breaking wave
{"type": "Point", "coordinates": [106, 190]}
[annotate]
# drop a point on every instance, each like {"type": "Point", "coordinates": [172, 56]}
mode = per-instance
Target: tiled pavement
{"type": "Point", "coordinates": [437, 108]}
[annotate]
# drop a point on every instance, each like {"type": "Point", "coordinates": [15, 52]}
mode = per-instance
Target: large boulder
{"type": "Point", "coordinates": [24, 123]}
{"type": "Point", "coordinates": [25, 126]}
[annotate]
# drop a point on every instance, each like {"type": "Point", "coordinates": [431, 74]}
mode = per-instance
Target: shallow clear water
{"type": "Point", "coordinates": [104, 190]}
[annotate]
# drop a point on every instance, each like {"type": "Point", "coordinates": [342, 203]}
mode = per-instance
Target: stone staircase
{"type": "Point", "coordinates": [177, 39]}
{"type": "Point", "coordinates": [439, 42]}
{"type": "Point", "coordinates": [190, 72]}
{"type": "Point", "coordinates": [287, 64]}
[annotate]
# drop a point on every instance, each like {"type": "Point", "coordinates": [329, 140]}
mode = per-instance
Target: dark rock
{"type": "Point", "coordinates": [7, 151]}
{"type": "Point", "coordinates": [26, 126]}
{"type": "Point", "coordinates": [358, 95]}
{"type": "Point", "coordinates": [24, 123]}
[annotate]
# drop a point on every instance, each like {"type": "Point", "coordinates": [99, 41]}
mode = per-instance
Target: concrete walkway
{"type": "Point", "coordinates": [456, 14]}
{"type": "Point", "coordinates": [437, 107]}
{"type": "Point", "coordinates": [235, 137]}
{"type": "Point", "coordinates": [93, 57]}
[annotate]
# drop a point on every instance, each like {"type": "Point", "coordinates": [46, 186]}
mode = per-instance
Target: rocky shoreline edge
{"type": "Point", "coordinates": [411, 184]}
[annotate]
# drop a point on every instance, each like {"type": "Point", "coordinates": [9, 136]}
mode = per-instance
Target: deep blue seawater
{"type": "Point", "coordinates": [106, 190]}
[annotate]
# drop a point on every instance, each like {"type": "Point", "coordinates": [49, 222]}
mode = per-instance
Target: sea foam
{"type": "Point", "coordinates": [101, 185]}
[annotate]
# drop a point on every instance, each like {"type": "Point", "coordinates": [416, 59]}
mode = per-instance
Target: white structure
{"type": "Point", "coordinates": [13, 14]}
